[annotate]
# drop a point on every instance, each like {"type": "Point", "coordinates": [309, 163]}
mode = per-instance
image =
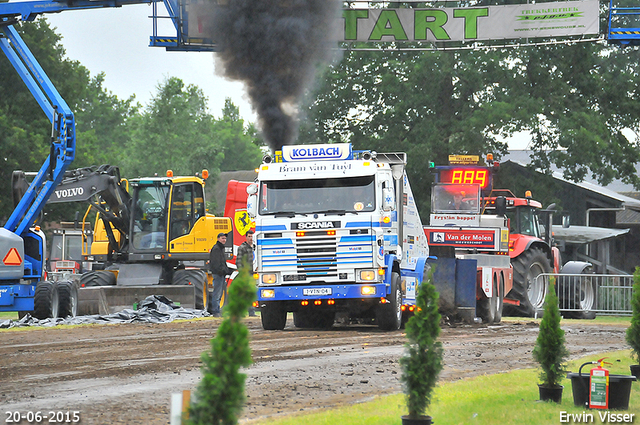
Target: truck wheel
{"type": "Point", "coordinates": [526, 288]}
{"type": "Point", "coordinates": [45, 301]}
{"type": "Point", "coordinates": [273, 316]}
{"type": "Point", "coordinates": [389, 314]}
{"type": "Point", "coordinates": [97, 278]}
{"type": "Point", "coordinates": [577, 293]}
{"type": "Point", "coordinates": [197, 278]}
{"type": "Point", "coordinates": [67, 299]}
{"type": "Point", "coordinates": [487, 307]}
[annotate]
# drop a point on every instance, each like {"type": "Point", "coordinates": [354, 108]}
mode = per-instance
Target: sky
{"type": "Point", "coordinates": [116, 41]}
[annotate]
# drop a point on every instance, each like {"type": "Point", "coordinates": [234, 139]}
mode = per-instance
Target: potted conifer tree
{"type": "Point", "coordinates": [550, 351]}
{"type": "Point", "coordinates": [220, 394]}
{"type": "Point", "coordinates": [422, 362]}
{"type": "Point", "coordinates": [633, 332]}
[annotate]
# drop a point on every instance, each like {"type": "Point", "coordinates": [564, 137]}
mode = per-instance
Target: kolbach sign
{"type": "Point", "coordinates": [573, 18]}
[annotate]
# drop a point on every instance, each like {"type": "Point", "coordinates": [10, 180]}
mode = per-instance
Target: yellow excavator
{"type": "Point", "coordinates": [152, 236]}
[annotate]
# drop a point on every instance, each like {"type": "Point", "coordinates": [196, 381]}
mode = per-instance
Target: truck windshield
{"type": "Point", "coordinates": [68, 247]}
{"type": "Point", "coordinates": [455, 198]}
{"type": "Point", "coordinates": [150, 218]}
{"type": "Point", "coordinates": [344, 195]}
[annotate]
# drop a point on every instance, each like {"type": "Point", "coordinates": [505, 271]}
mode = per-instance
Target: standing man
{"type": "Point", "coordinates": [219, 269]}
{"type": "Point", "coordinates": [244, 259]}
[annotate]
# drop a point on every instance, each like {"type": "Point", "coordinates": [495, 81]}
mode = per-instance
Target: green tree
{"type": "Point", "coordinates": [633, 332]}
{"type": "Point", "coordinates": [174, 132]}
{"type": "Point", "coordinates": [423, 362]}
{"type": "Point", "coordinates": [550, 351]}
{"type": "Point", "coordinates": [577, 102]}
{"type": "Point", "coordinates": [220, 393]}
{"type": "Point", "coordinates": [24, 128]}
{"type": "Point", "coordinates": [102, 125]}
{"type": "Point", "coordinates": [241, 144]}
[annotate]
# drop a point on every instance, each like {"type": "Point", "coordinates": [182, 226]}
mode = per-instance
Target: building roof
{"type": "Point", "coordinates": [583, 234]}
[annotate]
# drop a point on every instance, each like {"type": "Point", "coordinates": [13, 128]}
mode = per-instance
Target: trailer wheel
{"type": "Point", "coordinates": [487, 308]}
{"type": "Point", "coordinates": [273, 316]}
{"type": "Point", "coordinates": [45, 301]}
{"type": "Point", "coordinates": [67, 299]}
{"type": "Point", "coordinates": [500, 302]}
{"type": "Point", "coordinates": [98, 278]}
{"type": "Point", "coordinates": [526, 288]}
{"type": "Point", "coordinates": [577, 293]}
{"type": "Point", "coordinates": [197, 278]}
{"type": "Point", "coordinates": [389, 314]}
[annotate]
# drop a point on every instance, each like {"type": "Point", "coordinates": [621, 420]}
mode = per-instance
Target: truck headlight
{"type": "Point", "coordinates": [267, 293]}
{"type": "Point", "coordinates": [368, 290]}
{"type": "Point", "coordinates": [269, 278]}
{"type": "Point", "coordinates": [368, 275]}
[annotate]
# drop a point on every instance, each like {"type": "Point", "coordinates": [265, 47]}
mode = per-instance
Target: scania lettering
{"type": "Point", "coordinates": [318, 225]}
{"type": "Point", "coordinates": [337, 237]}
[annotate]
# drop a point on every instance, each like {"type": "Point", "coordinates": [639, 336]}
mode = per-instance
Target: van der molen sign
{"type": "Point", "coordinates": [556, 19]}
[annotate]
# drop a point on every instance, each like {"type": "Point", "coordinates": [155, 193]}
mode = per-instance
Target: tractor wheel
{"type": "Point", "coordinates": [389, 314]}
{"type": "Point", "coordinates": [45, 301]}
{"type": "Point", "coordinates": [197, 278]}
{"type": "Point", "coordinates": [273, 316]}
{"type": "Point", "coordinates": [97, 278]}
{"type": "Point", "coordinates": [526, 288]}
{"type": "Point", "coordinates": [577, 293]}
{"type": "Point", "coordinates": [67, 298]}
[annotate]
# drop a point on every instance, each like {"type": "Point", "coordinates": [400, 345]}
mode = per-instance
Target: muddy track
{"type": "Point", "coordinates": [125, 374]}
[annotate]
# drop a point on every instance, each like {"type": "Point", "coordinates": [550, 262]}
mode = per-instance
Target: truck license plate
{"type": "Point", "coordinates": [316, 291]}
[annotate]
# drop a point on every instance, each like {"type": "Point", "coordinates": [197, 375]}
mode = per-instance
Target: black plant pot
{"type": "Point", "coordinates": [635, 370]}
{"type": "Point", "coordinates": [619, 390]}
{"type": "Point", "coordinates": [551, 393]}
{"type": "Point", "coordinates": [416, 420]}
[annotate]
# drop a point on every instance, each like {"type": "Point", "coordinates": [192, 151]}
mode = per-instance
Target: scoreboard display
{"type": "Point", "coordinates": [465, 175]}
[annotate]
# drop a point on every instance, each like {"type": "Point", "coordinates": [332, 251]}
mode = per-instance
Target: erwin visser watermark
{"type": "Point", "coordinates": [605, 417]}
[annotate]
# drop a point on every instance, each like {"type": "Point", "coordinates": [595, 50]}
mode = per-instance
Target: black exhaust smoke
{"type": "Point", "coordinates": [274, 47]}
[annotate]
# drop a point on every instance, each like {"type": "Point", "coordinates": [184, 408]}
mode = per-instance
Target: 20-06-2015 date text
{"type": "Point", "coordinates": [46, 417]}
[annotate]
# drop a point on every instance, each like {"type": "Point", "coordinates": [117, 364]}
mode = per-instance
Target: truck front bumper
{"type": "Point", "coordinates": [319, 292]}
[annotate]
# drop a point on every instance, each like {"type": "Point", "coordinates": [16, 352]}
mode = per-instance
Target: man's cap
{"type": "Point", "coordinates": [222, 234]}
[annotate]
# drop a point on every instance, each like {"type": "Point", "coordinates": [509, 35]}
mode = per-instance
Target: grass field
{"type": "Point", "coordinates": [506, 399]}
{"type": "Point", "coordinates": [4, 315]}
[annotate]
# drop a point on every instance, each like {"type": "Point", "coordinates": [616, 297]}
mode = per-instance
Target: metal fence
{"type": "Point", "coordinates": [584, 295]}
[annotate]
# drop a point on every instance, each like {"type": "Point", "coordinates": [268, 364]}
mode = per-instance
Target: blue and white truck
{"type": "Point", "coordinates": [338, 234]}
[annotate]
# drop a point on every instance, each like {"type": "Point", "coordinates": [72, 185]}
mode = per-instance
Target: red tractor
{"type": "Point", "coordinates": [532, 252]}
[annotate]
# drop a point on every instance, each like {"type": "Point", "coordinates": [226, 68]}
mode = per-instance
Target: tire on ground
{"type": "Point", "coordinates": [500, 307]}
{"type": "Point", "coordinates": [197, 278]}
{"type": "Point", "coordinates": [98, 278]}
{"type": "Point", "coordinates": [389, 314]}
{"type": "Point", "coordinates": [273, 316]}
{"type": "Point", "coordinates": [67, 298]}
{"type": "Point", "coordinates": [577, 293]}
{"type": "Point", "coordinates": [526, 267]}
{"type": "Point", "coordinates": [45, 301]}
{"type": "Point", "coordinates": [486, 307]}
